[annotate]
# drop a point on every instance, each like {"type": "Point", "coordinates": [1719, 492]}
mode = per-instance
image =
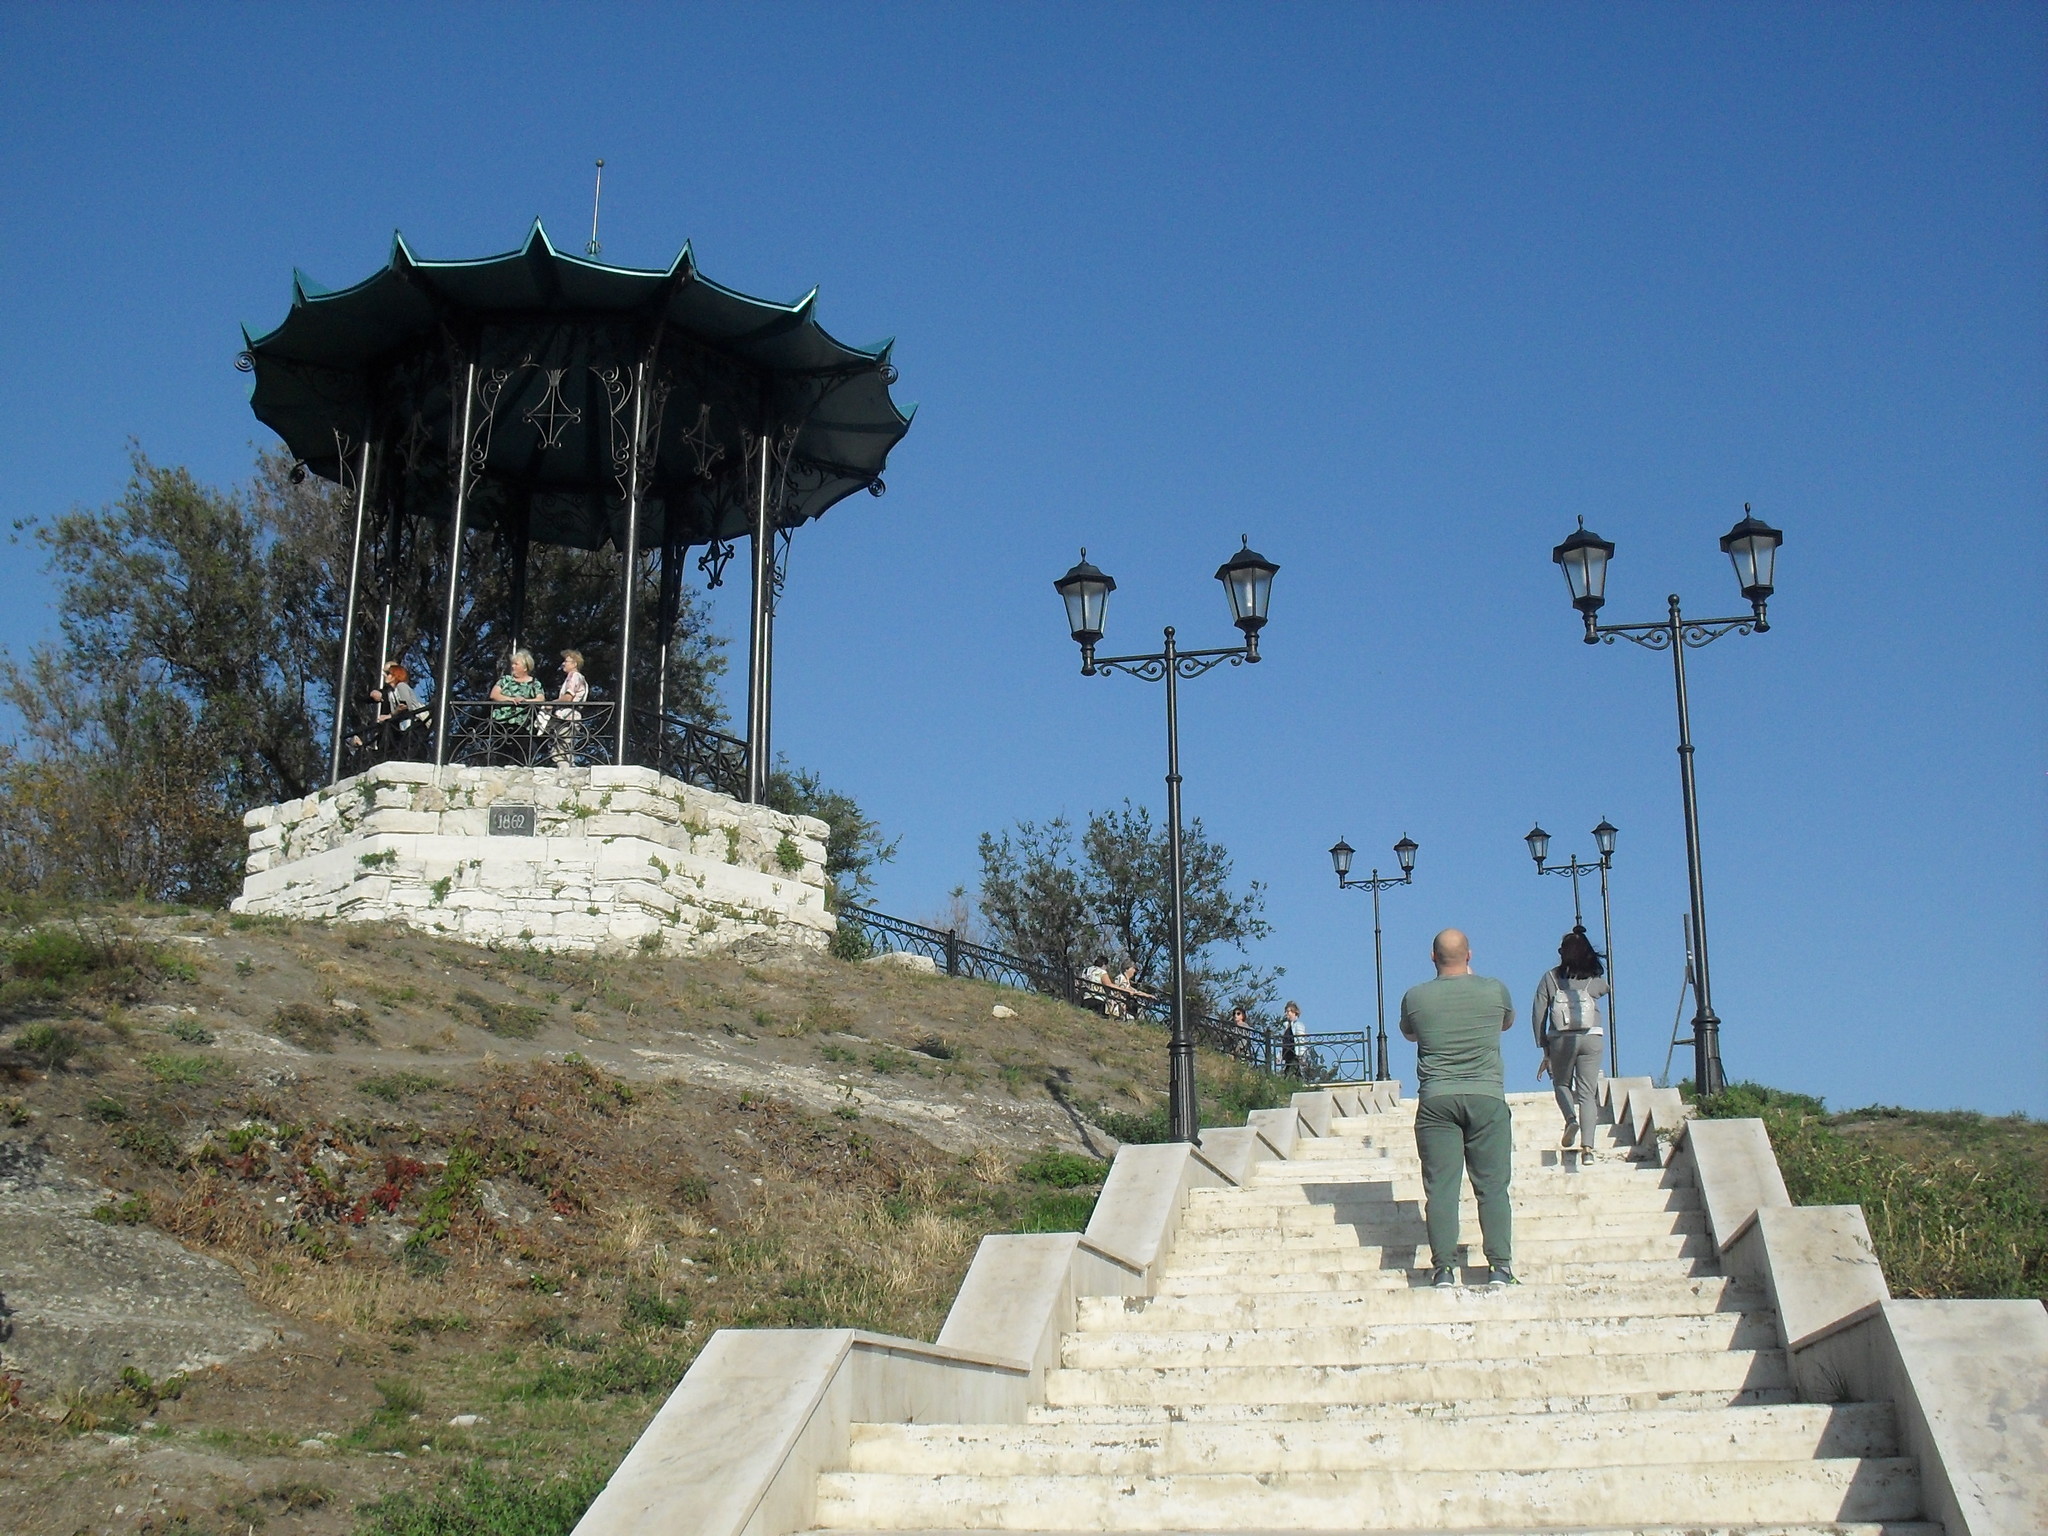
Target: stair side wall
{"type": "Point", "coordinates": [1968, 1379]}
{"type": "Point", "coordinates": [739, 1446]}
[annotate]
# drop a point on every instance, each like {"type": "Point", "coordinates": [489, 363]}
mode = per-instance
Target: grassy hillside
{"type": "Point", "coordinates": [1957, 1202]}
{"type": "Point", "coordinates": [498, 1200]}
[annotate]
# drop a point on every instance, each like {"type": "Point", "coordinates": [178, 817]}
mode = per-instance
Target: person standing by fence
{"type": "Point", "coordinates": [1566, 1019]}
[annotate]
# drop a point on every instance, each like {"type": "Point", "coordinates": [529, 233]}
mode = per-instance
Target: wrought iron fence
{"type": "Point", "coordinates": [1341, 1057]}
{"type": "Point", "coordinates": [537, 733]}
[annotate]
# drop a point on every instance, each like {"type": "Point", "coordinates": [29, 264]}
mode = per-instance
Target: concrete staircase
{"type": "Point", "coordinates": [1294, 1372]}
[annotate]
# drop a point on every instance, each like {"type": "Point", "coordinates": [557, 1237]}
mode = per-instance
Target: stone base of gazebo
{"type": "Point", "coordinates": [558, 858]}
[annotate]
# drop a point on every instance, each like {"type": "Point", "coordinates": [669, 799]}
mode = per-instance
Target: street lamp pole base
{"type": "Point", "coordinates": [1183, 1109]}
{"type": "Point", "coordinates": [1708, 1078]}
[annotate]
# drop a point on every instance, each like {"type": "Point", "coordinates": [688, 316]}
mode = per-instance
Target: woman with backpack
{"type": "Point", "coordinates": [1566, 1018]}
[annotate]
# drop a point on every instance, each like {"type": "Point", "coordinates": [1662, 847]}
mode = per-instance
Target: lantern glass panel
{"type": "Point", "coordinates": [1247, 578]}
{"type": "Point", "coordinates": [1603, 837]}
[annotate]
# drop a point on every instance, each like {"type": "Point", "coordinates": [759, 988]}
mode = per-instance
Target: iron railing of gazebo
{"type": "Point", "coordinates": [540, 734]}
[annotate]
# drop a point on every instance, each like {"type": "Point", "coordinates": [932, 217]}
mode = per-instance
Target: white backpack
{"type": "Point", "coordinates": [1573, 1009]}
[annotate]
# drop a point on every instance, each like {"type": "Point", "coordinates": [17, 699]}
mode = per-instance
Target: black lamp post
{"type": "Point", "coordinates": [1603, 838]}
{"type": "Point", "coordinates": [1340, 860]}
{"type": "Point", "coordinates": [1247, 578]}
{"type": "Point", "coordinates": [1752, 545]}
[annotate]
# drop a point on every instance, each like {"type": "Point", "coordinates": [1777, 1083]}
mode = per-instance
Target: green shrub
{"type": "Point", "coordinates": [315, 1028]}
{"type": "Point", "coordinates": [515, 1021]}
{"type": "Point", "coordinates": [1949, 1220]}
{"type": "Point", "coordinates": [191, 1031]}
{"type": "Point", "coordinates": [625, 1372]}
{"type": "Point", "coordinates": [53, 1046]}
{"type": "Point", "coordinates": [649, 1309]}
{"type": "Point", "coordinates": [174, 1070]}
{"type": "Point", "coordinates": [54, 954]}
{"type": "Point", "coordinates": [788, 857]}
{"type": "Point", "coordinates": [850, 942]}
{"type": "Point", "coordinates": [1057, 1211]}
{"type": "Point", "coordinates": [1062, 1170]}
{"type": "Point", "coordinates": [131, 1212]}
{"type": "Point", "coordinates": [1138, 1129]}
{"type": "Point", "coordinates": [486, 1503]}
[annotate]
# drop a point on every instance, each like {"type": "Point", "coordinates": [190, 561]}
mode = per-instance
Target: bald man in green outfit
{"type": "Point", "coordinates": [1462, 1119]}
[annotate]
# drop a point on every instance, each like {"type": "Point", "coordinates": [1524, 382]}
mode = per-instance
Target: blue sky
{"type": "Point", "coordinates": [1398, 291]}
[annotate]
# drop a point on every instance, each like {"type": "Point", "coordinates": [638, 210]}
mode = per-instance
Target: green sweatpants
{"type": "Point", "coordinates": [1453, 1132]}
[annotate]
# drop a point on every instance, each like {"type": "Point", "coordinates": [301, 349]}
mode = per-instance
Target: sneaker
{"type": "Point", "coordinates": [1571, 1134]}
{"type": "Point", "coordinates": [1587, 1155]}
{"type": "Point", "coordinates": [1500, 1277]}
{"type": "Point", "coordinates": [1444, 1277]}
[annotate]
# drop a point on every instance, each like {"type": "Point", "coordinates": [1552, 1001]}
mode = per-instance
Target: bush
{"type": "Point", "coordinates": [1057, 1211]}
{"type": "Point", "coordinates": [1945, 1223]}
{"type": "Point", "coordinates": [52, 1045]}
{"type": "Point", "coordinates": [850, 942]}
{"type": "Point", "coordinates": [485, 1503]}
{"type": "Point", "coordinates": [1062, 1170]}
{"type": "Point", "coordinates": [315, 1029]}
{"type": "Point", "coordinates": [176, 1071]}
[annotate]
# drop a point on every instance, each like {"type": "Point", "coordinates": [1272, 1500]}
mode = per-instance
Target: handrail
{"type": "Point", "coordinates": [1324, 1058]}
{"type": "Point", "coordinates": [543, 733]}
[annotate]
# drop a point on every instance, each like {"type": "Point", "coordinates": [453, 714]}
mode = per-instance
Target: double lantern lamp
{"type": "Point", "coordinates": [1751, 546]}
{"type": "Point", "coordinates": [1247, 578]}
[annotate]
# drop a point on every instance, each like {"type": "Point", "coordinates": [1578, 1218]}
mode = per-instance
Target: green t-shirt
{"type": "Point", "coordinates": [1457, 1023]}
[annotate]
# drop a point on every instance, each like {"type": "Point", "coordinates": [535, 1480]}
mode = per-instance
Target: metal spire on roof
{"type": "Point", "coordinates": [596, 197]}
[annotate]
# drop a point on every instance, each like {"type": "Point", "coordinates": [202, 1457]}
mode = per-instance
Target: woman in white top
{"type": "Point", "coordinates": [561, 722]}
{"type": "Point", "coordinates": [1566, 1018]}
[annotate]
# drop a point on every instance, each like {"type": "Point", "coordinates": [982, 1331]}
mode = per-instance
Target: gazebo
{"type": "Point", "coordinates": [562, 401]}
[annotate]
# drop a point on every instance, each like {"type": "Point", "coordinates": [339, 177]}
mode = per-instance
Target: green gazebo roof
{"type": "Point", "coordinates": [556, 340]}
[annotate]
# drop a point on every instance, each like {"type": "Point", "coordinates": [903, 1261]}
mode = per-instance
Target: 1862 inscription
{"type": "Point", "coordinates": [512, 821]}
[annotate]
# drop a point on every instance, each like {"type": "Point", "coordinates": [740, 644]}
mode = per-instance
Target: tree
{"type": "Point", "coordinates": [1058, 908]}
{"type": "Point", "coordinates": [853, 844]}
{"type": "Point", "coordinates": [193, 674]}
{"type": "Point", "coordinates": [1034, 899]}
{"type": "Point", "coordinates": [1128, 886]}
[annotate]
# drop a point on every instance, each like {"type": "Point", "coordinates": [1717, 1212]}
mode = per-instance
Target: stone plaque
{"type": "Point", "coordinates": [512, 821]}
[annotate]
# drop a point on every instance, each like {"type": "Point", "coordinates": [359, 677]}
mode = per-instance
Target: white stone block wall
{"type": "Point", "coordinates": [618, 854]}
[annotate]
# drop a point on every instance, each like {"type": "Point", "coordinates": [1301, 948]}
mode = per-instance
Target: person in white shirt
{"type": "Point", "coordinates": [1569, 1032]}
{"type": "Point", "coordinates": [561, 721]}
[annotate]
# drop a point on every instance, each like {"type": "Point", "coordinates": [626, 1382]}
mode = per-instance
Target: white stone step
{"type": "Point", "coordinates": [1774, 1528]}
{"type": "Point", "coordinates": [1334, 1202]}
{"type": "Point", "coordinates": [1462, 1410]}
{"type": "Point", "coordinates": [1383, 1166]}
{"type": "Point", "coordinates": [1393, 1274]}
{"type": "Point", "coordinates": [1202, 1256]}
{"type": "Point", "coordinates": [1426, 1381]}
{"type": "Point", "coordinates": [1791, 1432]}
{"type": "Point", "coordinates": [1383, 1500]}
{"type": "Point", "coordinates": [1592, 1298]}
{"type": "Point", "coordinates": [1397, 1222]}
{"type": "Point", "coordinates": [1491, 1338]}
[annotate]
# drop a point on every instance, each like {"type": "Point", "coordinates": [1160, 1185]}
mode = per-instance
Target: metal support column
{"type": "Point", "coordinates": [632, 573]}
{"type": "Point", "coordinates": [1607, 943]}
{"type": "Point", "coordinates": [1379, 985]}
{"type": "Point", "coordinates": [1706, 1027]}
{"type": "Point", "coordinates": [1184, 1112]}
{"type": "Point", "coordinates": [348, 619]}
{"type": "Point", "coordinates": [444, 685]}
{"type": "Point", "coordinates": [758, 642]}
